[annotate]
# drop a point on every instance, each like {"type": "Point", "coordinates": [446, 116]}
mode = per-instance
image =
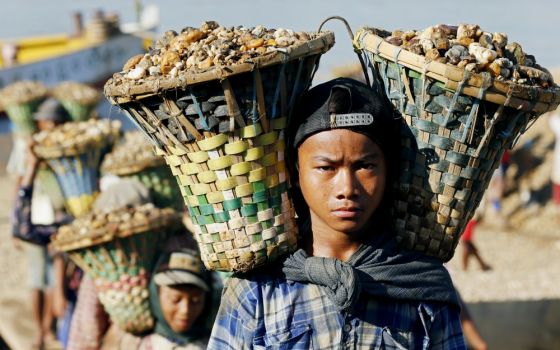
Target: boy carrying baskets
{"type": "Point", "coordinates": [348, 286]}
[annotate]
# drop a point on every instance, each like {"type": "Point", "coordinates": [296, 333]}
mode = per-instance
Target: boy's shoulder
{"type": "Point", "coordinates": [254, 283]}
{"type": "Point", "coordinates": [264, 275]}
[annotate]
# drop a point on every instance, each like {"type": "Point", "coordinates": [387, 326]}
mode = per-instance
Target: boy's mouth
{"type": "Point", "coordinates": [346, 212]}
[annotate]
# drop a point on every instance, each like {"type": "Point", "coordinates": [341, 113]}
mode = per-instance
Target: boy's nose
{"type": "Point", "coordinates": [345, 184]}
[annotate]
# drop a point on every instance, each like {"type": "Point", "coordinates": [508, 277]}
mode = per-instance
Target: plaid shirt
{"type": "Point", "coordinates": [264, 312]}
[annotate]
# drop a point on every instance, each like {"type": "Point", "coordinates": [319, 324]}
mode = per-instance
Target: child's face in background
{"type": "Point", "coordinates": [181, 305]}
{"type": "Point", "coordinates": [342, 175]}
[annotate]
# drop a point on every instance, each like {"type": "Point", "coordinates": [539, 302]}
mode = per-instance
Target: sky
{"type": "Point", "coordinates": [534, 24]}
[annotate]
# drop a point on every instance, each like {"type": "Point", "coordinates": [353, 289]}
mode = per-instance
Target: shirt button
{"type": "Point", "coordinates": [347, 328]}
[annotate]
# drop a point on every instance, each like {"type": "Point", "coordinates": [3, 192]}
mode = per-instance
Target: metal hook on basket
{"type": "Point", "coordinates": [349, 30]}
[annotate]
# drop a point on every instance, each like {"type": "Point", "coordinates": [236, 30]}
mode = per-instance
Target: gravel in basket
{"type": "Point", "coordinates": [214, 101]}
{"type": "Point", "coordinates": [461, 111]}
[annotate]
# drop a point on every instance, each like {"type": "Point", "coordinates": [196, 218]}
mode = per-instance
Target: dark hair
{"type": "Point", "coordinates": [51, 110]}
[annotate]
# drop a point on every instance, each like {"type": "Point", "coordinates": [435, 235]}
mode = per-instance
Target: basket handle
{"type": "Point", "coordinates": [349, 30]}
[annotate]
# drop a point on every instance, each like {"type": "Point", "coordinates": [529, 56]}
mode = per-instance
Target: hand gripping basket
{"type": "Point", "coordinates": [76, 162]}
{"type": "Point", "coordinates": [79, 100]}
{"type": "Point", "coordinates": [222, 133]}
{"type": "Point", "coordinates": [135, 158]}
{"type": "Point", "coordinates": [458, 124]}
{"type": "Point", "coordinates": [118, 251]}
{"type": "Point", "coordinates": [20, 100]}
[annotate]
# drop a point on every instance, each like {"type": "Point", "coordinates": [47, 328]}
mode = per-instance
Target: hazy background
{"type": "Point", "coordinates": [534, 24]}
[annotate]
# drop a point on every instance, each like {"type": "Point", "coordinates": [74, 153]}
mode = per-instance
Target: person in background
{"type": "Point", "coordinates": [555, 175]}
{"type": "Point", "coordinates": [89, 321]}
{"type": "Point", "coordinates": [175, 291]}
{"type": "Point", "coordinates": [38, 212]}
{"type": "Point", "coordinates": [469, 248]}
{"type": "Point", "coordinates": [182, 299]}
{"type": "Point", "coordinates": [495, 193]}
{"type": "Point", "coordinates": [9, 54]}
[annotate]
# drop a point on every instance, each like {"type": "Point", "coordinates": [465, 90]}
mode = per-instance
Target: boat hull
{"type": "Point", "coordinates": [91, 65]}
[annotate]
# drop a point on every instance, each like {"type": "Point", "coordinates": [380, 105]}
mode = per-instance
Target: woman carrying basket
{"type": "Point", "coordinates": [349, 286]}
{"type": "Point", "coordinates": [38, 188]}
{"type": "Point", "coordinates": [180, 299]}
{"type": "Point", "coordinates": [180, 295]}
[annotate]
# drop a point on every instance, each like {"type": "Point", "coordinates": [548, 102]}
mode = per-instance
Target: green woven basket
{"type": "Point", "coordinates": [162, 186]}
{"type": "Point", "coordinates": [20, 100]}
{"type": "Point", "coordinates": [134, 157]}
{"type": "Point", "coordinates": [121, 272]}
{"type": "Point", "coordinates": [456, 128]}
{"type": "Point", "coordinates": [76, 162]}
{"type": "Point", "coordinates": [222, 134]}
{"type": "Point", "coordinates": [78, 99]}
{"type": "Point", "coordinates": [77, 111]}
{"type": "Point", "coordinates": [21, 116]}
{"type": "Point", "coordinates": [120, 260]}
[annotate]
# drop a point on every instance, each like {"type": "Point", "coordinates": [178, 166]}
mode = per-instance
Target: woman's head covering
{"type": "Point", "coordinates": [180, 264]}
{"type": "Point", "coordinates": [51, 110]}
{"type": "Point", "coordinates": [121, 193]}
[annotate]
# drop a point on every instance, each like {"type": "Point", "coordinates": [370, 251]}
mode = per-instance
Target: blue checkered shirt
{"type": "Point", "coordinates": [268, 312]}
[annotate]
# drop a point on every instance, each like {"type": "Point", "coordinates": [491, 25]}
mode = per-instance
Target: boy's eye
{"type": "Point", "coordinates": [324, 167]}
{"type": "Point", "coordinates": [367, 166]}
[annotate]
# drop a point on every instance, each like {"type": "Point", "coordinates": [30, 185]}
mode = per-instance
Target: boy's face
{"type": "Point", "coordinates": [342, 175]}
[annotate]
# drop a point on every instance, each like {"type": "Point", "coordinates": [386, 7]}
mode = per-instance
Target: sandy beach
{"type": "Point", "coordinates": [525, 266]}
{"type": "Point", "coordinates": [16, 327]}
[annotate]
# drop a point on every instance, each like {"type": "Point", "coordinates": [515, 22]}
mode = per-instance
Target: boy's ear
{"type": "Point", "coordinates": [296, 178]}
{"type": "Point", "coordinates": [292, 170]}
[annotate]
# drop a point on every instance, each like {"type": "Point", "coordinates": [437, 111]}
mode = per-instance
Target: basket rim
{"type": "Point", "coordinates": [133, 168]}
{"type": "Point", "coordinates": [58, 151]}
{"type": "Point", "coordinates": [58, 92]}
{"type": "Point", "coordinates": [26, 101]}
{"type": "Point", "coordinates": [124, 92]}
{"type": "Point", "coordinates": [111, 232]}
{"type": "Point", "coordinates": [523, 97]}
{"type": "Point", "coordinates": [96, 142]}
{"type": "Point", "coordinates": [7, 101]}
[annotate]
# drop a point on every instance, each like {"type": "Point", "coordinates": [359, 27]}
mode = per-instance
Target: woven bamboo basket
{"type": "Point", "coordinates": [20, 100]}
{"type": "Point", "coordinates": [457, 126]}
{"type": "Point", "coordinates": [222, 133]}
{"type": "Point", "coordinates": [120, 257]}
{"type": "Point", "coordinates": [162, 186]}
{"type": "Point", "coordinates": [135, 158]}
{"type": "Point", "coordinates": [79, 100]}
{"type": "Point", "coordinates": [76, 166]}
